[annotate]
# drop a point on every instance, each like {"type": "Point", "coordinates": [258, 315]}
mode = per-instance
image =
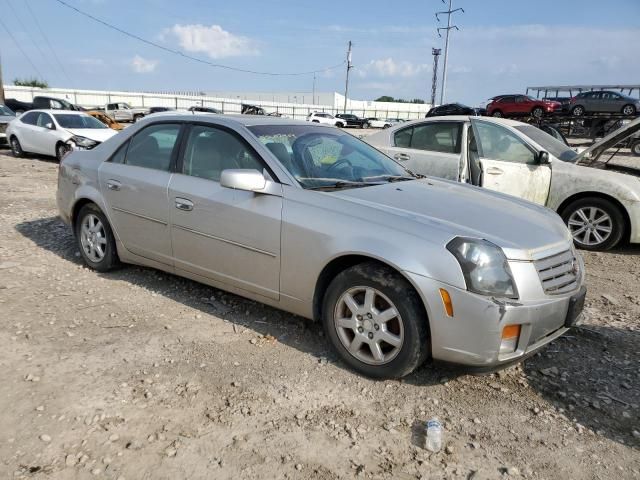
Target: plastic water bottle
{"type": "Point", "coordinates": [433, 435]}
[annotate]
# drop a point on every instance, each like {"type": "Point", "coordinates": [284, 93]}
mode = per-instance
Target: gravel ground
{"type": "Point", "coordinates": [139, 374]}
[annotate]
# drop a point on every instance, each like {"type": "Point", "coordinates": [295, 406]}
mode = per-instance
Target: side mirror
{"type": "Point", "coordinates": [248, 180]}
{"type": "Point", "coordinates": [543, 158]}
{"type": "Point", "coordinates": [49, 126]}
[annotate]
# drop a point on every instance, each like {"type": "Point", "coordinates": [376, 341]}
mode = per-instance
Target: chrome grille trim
{"type": "Point", "coordinates": [558, 273]}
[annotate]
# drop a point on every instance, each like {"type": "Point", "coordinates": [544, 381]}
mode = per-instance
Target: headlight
{"type": "Point", "coordinates": [82, 142]}
{"type": "Point", "coordinates": [484, 266]}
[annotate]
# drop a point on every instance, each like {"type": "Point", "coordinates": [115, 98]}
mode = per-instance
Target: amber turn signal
{"type": "Point", "coordinates": [446, 301]}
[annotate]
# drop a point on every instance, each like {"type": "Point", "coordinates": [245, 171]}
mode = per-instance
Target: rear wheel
{"type": "Point", "coordinates": [16, 148]}
{"type": "Point", "coordinates": [635, 147]}
{"type": "Point", "coordinates": [577, 111]}
{"type": "Point", "coordinates": [375, 321]}
{"type": "Point", "coordinates": [595, 223]}
{"type": "Point", "coordinates": [537, 112]}
{"type": "Point", "coordinates": [137, 117]}
{"type": "Point", "coordinates": [95, 239]}
{"type": "Point", "coordinates": [496, 113]}
{"type": "Point", "coordinates": [628, 110]}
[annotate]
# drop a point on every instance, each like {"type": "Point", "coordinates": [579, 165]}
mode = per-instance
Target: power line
{"type": "Point", "coordinates": [46, 40]}
{"type": "Point", "coordinates": [24, 28]}
{"type": "Point", "coordinates": [21, 50]}
{"type": "Point", "coordinates": [190, 57]}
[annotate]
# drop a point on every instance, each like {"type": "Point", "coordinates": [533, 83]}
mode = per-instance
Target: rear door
{"type": "Point", "coordinates": [509, 164]}
{"type": "Point", "coordinates": [135, 183]}
{"type": "Point", "coordinates": [230, 236]}
{"type": "Point", "coordinates": [429, 148]}
{"type": "Point", "coordinates": [26, 129]}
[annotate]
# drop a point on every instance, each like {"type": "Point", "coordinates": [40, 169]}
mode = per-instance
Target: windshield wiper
{"type": "Point", "coordinates": [398, 178]}
{"type": "Point", "coordinates": [342, 184]}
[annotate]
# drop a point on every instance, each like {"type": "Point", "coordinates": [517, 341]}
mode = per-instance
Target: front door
{"type": "Point", "coordinates": [231, 236]}
{"type": "Point", "coordinates": [429, 148]}
{"type": "Point", "coordinates": [44, 140]}
{"type": "Point", "coordinates": [135, 182]}
{"type": "Point", "coordinates": [508, 164]}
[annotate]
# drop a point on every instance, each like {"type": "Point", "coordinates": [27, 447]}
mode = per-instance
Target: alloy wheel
{"type": "Point", "coordinates": [93, 238]}
{"type": "Point", "coordinates": [628, 110]}
{"type": "Point", "coordinates": [15, 147]}
{"type": "Point", "coordinates": [590, 226]}
{"type": "Point", "coordinates": [369, 325]}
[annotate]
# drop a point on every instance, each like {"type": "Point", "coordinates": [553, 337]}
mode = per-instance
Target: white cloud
{"type": "Point", "coordinates": [212, 40]}
{"type": "Point", "coordinates": [388, 67]}
{"type": "Point", "coordinates": [143, 65]}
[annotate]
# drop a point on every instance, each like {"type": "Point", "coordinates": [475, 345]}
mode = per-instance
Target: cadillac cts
{"type": "Point", "coordinates": [309, 219]}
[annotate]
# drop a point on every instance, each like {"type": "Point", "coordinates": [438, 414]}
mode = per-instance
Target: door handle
{"type": "Point", "coordinates": [184, 204]}
{"type": "Point", "coordinates": [113, 185]}
{"type": "Point", "coordinates": [494, 171]}
{"type": "Point", "coordinates": [402, 157]}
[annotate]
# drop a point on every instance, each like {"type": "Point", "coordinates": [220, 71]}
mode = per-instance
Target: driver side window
{"type": "Point", "coordinates": [498, 143]}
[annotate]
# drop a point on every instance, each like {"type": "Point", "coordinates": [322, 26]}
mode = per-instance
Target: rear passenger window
{"type": "Point", "coordinates": [435, 137]}
{"type": "Point", "coordinates": [30, 118]}
{"type": "Point", "coordinates": [153, 146]}
{"type": "Point", "coordinates": [119, 156]}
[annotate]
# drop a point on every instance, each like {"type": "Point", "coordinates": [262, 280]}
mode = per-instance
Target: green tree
{"type": "Point", "coordinates": [30, 82]}
{"type": "Point", "coordinates": [387, 98]}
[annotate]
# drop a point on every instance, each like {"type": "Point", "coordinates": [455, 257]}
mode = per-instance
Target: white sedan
{"type": "Point", "coordinates": [326, 119]}
{"type": "Point", "coordinates": [55, 132]}
{"type": "Point", "coordinates": [378, 123]}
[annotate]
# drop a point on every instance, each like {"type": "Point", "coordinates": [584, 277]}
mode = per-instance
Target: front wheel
{"type": "Point", "coordinates": [375, 321]}
{"type": "Point", "coordinates": [497, 114]}
{"type": "Point", "coordinates": [635, 148]}
{"type": "Point", "coordinates": [537, 112]}
{"type": "Point", "coordinates": [137, 117]}
{"type": "Point", "coordinates": [61, 151]}
{"type": "Point", "coordinates": [95, 239]}
{"type": "Point", "coordinates": [595, 223]}
{"type": "Point", "coordinates": [16, 148]}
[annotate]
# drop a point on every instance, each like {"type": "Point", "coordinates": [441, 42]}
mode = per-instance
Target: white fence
{"type": "Point", "coordinates": [98, 98]}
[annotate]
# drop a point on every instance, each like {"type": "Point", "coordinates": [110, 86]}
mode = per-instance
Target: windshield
{"type": "Point", "coordinates": [552, 145]}
{"type": "Point", "coordinates": [6, 111]}
{"type": "Point", "coordinates": [78, 121]}
{"type": "Point", "coordinates": [325, 157]}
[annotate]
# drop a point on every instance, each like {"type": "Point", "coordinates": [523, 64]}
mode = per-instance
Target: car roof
{"type": "Point", "coordinates": [465, 118]}
{"type": "Point", "coordinates": [52, 111]}
{"type": "Point", "coordinates": [238, 119]}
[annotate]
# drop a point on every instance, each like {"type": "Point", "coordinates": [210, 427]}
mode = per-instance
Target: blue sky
{"type": "Point", "coordinates": [503, 45]}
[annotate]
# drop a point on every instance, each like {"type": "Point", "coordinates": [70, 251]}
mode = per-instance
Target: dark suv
{"type": "Point", "coordinates": [451, 109]}
{"type": "Point", "coordinates": [520, 105]}
{"type": "Point", "coordinates": [604, 101]}
{"type": "Point", "coordinates": [353, 121]}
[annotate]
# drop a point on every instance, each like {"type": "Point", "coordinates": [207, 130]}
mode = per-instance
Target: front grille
{"type": "Point", "coordinates": [558, 273]}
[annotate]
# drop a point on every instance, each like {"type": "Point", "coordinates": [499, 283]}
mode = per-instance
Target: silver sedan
{"type": "Point", "coordinates": [307, 218]}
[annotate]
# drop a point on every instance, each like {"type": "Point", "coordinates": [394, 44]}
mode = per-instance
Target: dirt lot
{"type": "Point", "coordinates": [138, 374]}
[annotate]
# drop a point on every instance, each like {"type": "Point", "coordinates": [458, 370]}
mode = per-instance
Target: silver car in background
{"type": "Point", "coordinates": [311, 220]}
{"type": "Point", "coordinates": [598, 199]}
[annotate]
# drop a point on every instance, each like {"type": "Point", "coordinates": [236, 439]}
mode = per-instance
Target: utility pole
{"type": "Point", "coordinates": [313, 95]}
{"type": "Point", "coordinates": [448, 28]}
{"type": "Point", "coordinates": [346, 87]}
{"type": "Point", "coordinates": [434, 81]}
{"type": "Point", "coordinates": [1, 84]}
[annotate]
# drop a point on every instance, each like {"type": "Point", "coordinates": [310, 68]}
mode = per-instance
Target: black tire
{"type": "Point", "coordinates": [635, 147]}
{"type": "Point", "coordinates": [16, 148]}
{"type": "Point", "coordinates": [537, 112]}
{"type": "Point", "coordinates": [497, 114]}
{"type": "Point", "coordinates": [366, 125]}
{"type": "Point", "coordinates": [577, 111]}
{"type": "Point", "coordinates": [618, 223]}
{"type": "Point", "coordinates": [339, 124]}
{"type": "Point", "coordinates": [629, 110]}
{"type": "Point", "coordinates": [61, 151]}
{"type": "Point", "coordinates": [110, 259]}
{"type": "Point", "coordinates": [386, 125]}
{"type": "Point", "coordinates": [416, 345]}
{"type": "Point", "coordinates": [315, 121]}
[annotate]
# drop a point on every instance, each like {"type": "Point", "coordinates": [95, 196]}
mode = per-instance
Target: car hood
{"type": "Point", "coordinates": [521, 228]}
{"type": "Point", "coordinates": [6, 118]}
{"type": "Point", "coordinates": [591, 154]}
{"type": "Point", "coordinates": [97, 134]}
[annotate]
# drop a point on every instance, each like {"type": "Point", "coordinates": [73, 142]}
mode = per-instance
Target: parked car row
{"type": "Point", "coordinates": [343, 120]}
{"type": "Point", "coordinates": [41, 103]}
{"type": "Point", "coordinates": [6, 116]}
{"type": "Point", "coordinates": [599, 202]}
{"type": "Point", "coordinates": [304, 217]}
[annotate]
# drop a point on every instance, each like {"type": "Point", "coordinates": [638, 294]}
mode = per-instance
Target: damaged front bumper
{"type": "Point", "coordinates": [474, 334]}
